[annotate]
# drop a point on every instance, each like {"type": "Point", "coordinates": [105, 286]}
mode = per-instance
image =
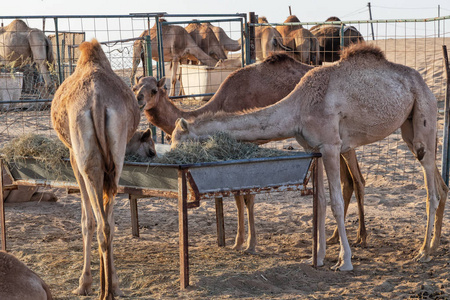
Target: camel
{"type": "Point", "coordinates": [268, 40]}
{"type": "Point", "coordinates": [95, 114]}
{"type": "Point", "coordinates": [255, 86]}
{"type": "Point", "coordinates": [205, 38]}
{"type": "Point", "coordinates": [141, 144]}
{"type": "Point", "coordinates": [18, 282]}
{"type": "Point", "coordinates": [177, 45]}
{"type": "Point", "coordinates": [329, 37]}
{"type": "Point", "coordinates": [227, 43]}
{"type": "Point", "coordinates": [21, 45]}
{"type": "Point", "coordinates": [335, 109]}
{"type": "Point", "coordinates": [304, 43]}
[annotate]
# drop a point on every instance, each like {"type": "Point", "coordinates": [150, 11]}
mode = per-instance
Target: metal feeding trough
{"type": "Point", "coordinates": [189, 183]}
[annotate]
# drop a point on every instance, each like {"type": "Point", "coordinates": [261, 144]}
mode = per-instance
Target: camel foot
{"type": "Point", "coordinates": [422, 257]}
{"type": "Point", "coordinates": [250, 250]}
{"type": "Point", "coordinates": [360, 242]}
{"type": "Point", "coordinates": [237, 247]}
{"type": "Point", "coordinates": [309, 261]}
{"type": "Point", "coordinates": [82, 291]}
{"type": "Point", "coordinates": [342, 265]}
{"type": "Point", "coordinates": [334, 239]}
{"type": "Point", "coordinates": [434, 245]}
{"type": "Point", "coordinates": [118, 292]}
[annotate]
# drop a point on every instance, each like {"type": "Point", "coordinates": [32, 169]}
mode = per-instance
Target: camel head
{"type": "Point", "coordinates": [181, 133]}
{"type": "Point", "coordinates": [141, 144]}
{"type": "Point", "coordinates": [148, 90]}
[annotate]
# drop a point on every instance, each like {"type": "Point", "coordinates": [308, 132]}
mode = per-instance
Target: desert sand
{"type": "Point", "coordinates": [47, 236]}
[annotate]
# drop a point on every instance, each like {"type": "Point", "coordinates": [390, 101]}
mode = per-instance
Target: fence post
{"type": "Point", "coordinates": [251, 38]}
{"type": "Point", "coordinates": [58, 50]}
{"type": "Point", "coordinates": [445, 147]}
{"type": "Point", "coordinates": [148, 48]}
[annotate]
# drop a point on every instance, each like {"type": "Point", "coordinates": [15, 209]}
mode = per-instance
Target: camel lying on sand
{"type": "Point", "coordinates": [329, 37]}
{"type": "Point", "coordinates": [177, 45]}
{"type": "Point", "coordinates": [257, 85]}
{"type": "Point", "coordinates": [305, 44]}
{"type": "Point", "coordinates": [20, 45]}
{"type": "Point", "coordinates": [95, 114]}
{"type": "Point", "coordinates": [18, 282]}
{"type": "Point", "coordinates": [268, 40]}
{"type": "Point", "coordinates": [335, 109]}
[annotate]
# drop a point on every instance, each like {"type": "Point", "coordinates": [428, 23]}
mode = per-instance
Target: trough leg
{"type": "Point", "coordinates": [220, 222]}
{"type": "Point", "coordinates": [315, 212]}
{"type": "Point", "coordinates": [2, 208]}
{"type": "Point", "coordinates": [183, 229]}
{"type": "Point", "coordinates": [134, 215]}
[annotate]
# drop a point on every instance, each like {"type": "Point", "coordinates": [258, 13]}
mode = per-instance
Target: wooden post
{"type": "Point", "coordinates": [183, 229]}
{"type": "Point", "coordinates": [445, 150]}
{"type": "Point", "coordinates": [220, 222]}
{"type": "Point", "coordinates": [315, 199]}
{"type": "Point", "coordinates": [134, 215]}
{"type": "Point", "coordinates": [2, 208]}
{"type": "Point", "coordinates": [252, 43]}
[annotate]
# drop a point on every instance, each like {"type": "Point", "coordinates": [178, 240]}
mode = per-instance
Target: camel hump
{"type": "Point", "coordinates": [292, 19]}
{"type": "Point", "coordinates": [91, 52]}
{"type": "Point", "coordinates": [18, 25]}
{"type": "Point", "coordinates": [362, 49]}
{"type": "Point", "coordinates": [276, 57]}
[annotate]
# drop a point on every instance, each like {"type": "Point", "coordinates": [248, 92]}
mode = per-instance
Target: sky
{"type": "Point", "coordinates": [275, 11]}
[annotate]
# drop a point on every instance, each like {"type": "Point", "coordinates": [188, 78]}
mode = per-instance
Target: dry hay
{"type": "Point", "coordinates": [218, 147]}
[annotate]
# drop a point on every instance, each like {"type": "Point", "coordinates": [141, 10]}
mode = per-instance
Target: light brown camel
{"type": "Point", "coordinates": [18, 282]}
{"type": "Point", "coordinates": [268, 40]}
{"type": "Point", "coordinates": [204, 37]}
{"type": "Point", "coordinates": [361, 99]}
{"type": "Point", "coordinates": [177, 45]}
{"type": "Point", "coordinates": [21, 45]}
{"type": "Point", "coordinates": [95, 114]}
{"type": "Point", "coordinates": [227, 43]}
{"type": "Point", "coordinates": [305, 44]}
{"type": "Point", "coordinates": [141, 144]}
{"type": "Point", "coordinates": [329, 37]}
{"type": "Point", "coordinates": [257, 85]}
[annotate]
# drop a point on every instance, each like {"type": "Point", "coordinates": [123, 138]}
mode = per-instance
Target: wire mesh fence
{"type": "Point", "coordinates": [26, 94]}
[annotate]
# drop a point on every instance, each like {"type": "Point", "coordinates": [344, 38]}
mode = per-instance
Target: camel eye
{"type": "Point", "coordinates": [154, 91]}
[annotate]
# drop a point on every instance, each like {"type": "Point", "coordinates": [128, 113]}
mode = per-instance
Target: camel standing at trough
{"type": "Point", "coordinates": [359, 100]}
{"type": "Point", "coordinates": [95, 114]}
{"type": "Point", "coordinates": [20, 44]}
{"type": "Point", "coordinates": [305, 44]}
{"type": "Point", "coordinates": [205, 38]}
{"type": "Point", "coordinates": [268, 40]}
{"type": "Point", "coordinates": [177, 45]}
{"type": "Point", "coordinates": [18, 282]}
{"type": "Point", "coordinates": [253, 86]}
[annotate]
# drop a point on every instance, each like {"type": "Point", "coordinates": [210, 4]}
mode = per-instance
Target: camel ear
{"type": "Point", "coordinates": [137, 78]}
{"type": "Point", "coordinates": [161, 82]}
{"type": "Point", "coordinates": [147, 135]}
{"type": "Point", "coordinates": [183, 124]}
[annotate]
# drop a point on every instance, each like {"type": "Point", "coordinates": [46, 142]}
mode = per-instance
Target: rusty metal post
{"type": "Point", "coordinates": [183, 229]}
{"type": "Point", "coordinates": [315, 212]}
{"type": "Point", "coordinates": [220, 222]}
{"type": "Point", "coordinates": [2, 208]}
{"type": "Point", "coordinates": [134, 215]}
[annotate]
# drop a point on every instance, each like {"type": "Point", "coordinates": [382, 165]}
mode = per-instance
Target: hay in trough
{"type": "Point", "coordinates": [218, 147]}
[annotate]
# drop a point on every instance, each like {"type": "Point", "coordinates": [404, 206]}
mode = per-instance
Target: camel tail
{"type": "Point", "coordinates": [100, 120]}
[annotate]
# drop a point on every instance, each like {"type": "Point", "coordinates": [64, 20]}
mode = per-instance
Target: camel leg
{"type": "Point", "coordinates": [443, 191]}
{"type": "Point", "coordinates": [419, 140]}
{"type": "Point", "coordinates": [240, 228]}
{"type": "Point", "coordinates": [330, 156]}
{"type": "Point", "coordinates": [87, 229]}
{"type": "Point", "coordinates": [251, 241]}
{"type": "Point", "coordinates": [137, 52]}
{"type": "Point", "coordinates": [174, 76]}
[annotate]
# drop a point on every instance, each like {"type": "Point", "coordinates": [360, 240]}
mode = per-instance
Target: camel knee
{"type": "Point", "coordinates": [419, 149]}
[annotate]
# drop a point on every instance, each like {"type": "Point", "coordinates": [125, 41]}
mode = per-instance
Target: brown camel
{"type": "Point", "coordinates": [257, 85]}
{"type": "Point", "coordinates": [177, 45]}
{"type": "Point", "coordinates": [227, 43]}
{"type": "Point", "coordinates": [141, 144]}
{"type": "Point", "coordinates": [95, 114]}
{"type": "Point", "coordinates": [329, 37]}
{"type": "Point", "coordinates": [18, 282]}
{"type": "Point", "coordinates": [335, 109]}
{"type": "Point", "coordinates": [268, 40]}
{"type": "Point", "coordinates": [21, 45]}
{"type": "Point", "coordinates": [305, 44]}
{"type": "Point", "coordinates": [204, 37]}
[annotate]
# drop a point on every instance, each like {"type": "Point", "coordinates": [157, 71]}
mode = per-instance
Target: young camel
{"type": "Point", "coordinates": [257, 85]}
{"type": "Point", "coordinates": [18, 282]}
{"type": "Point", "coordinates": [95, 114]}
{"type": "Point", "coordinates": [335, 109]}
